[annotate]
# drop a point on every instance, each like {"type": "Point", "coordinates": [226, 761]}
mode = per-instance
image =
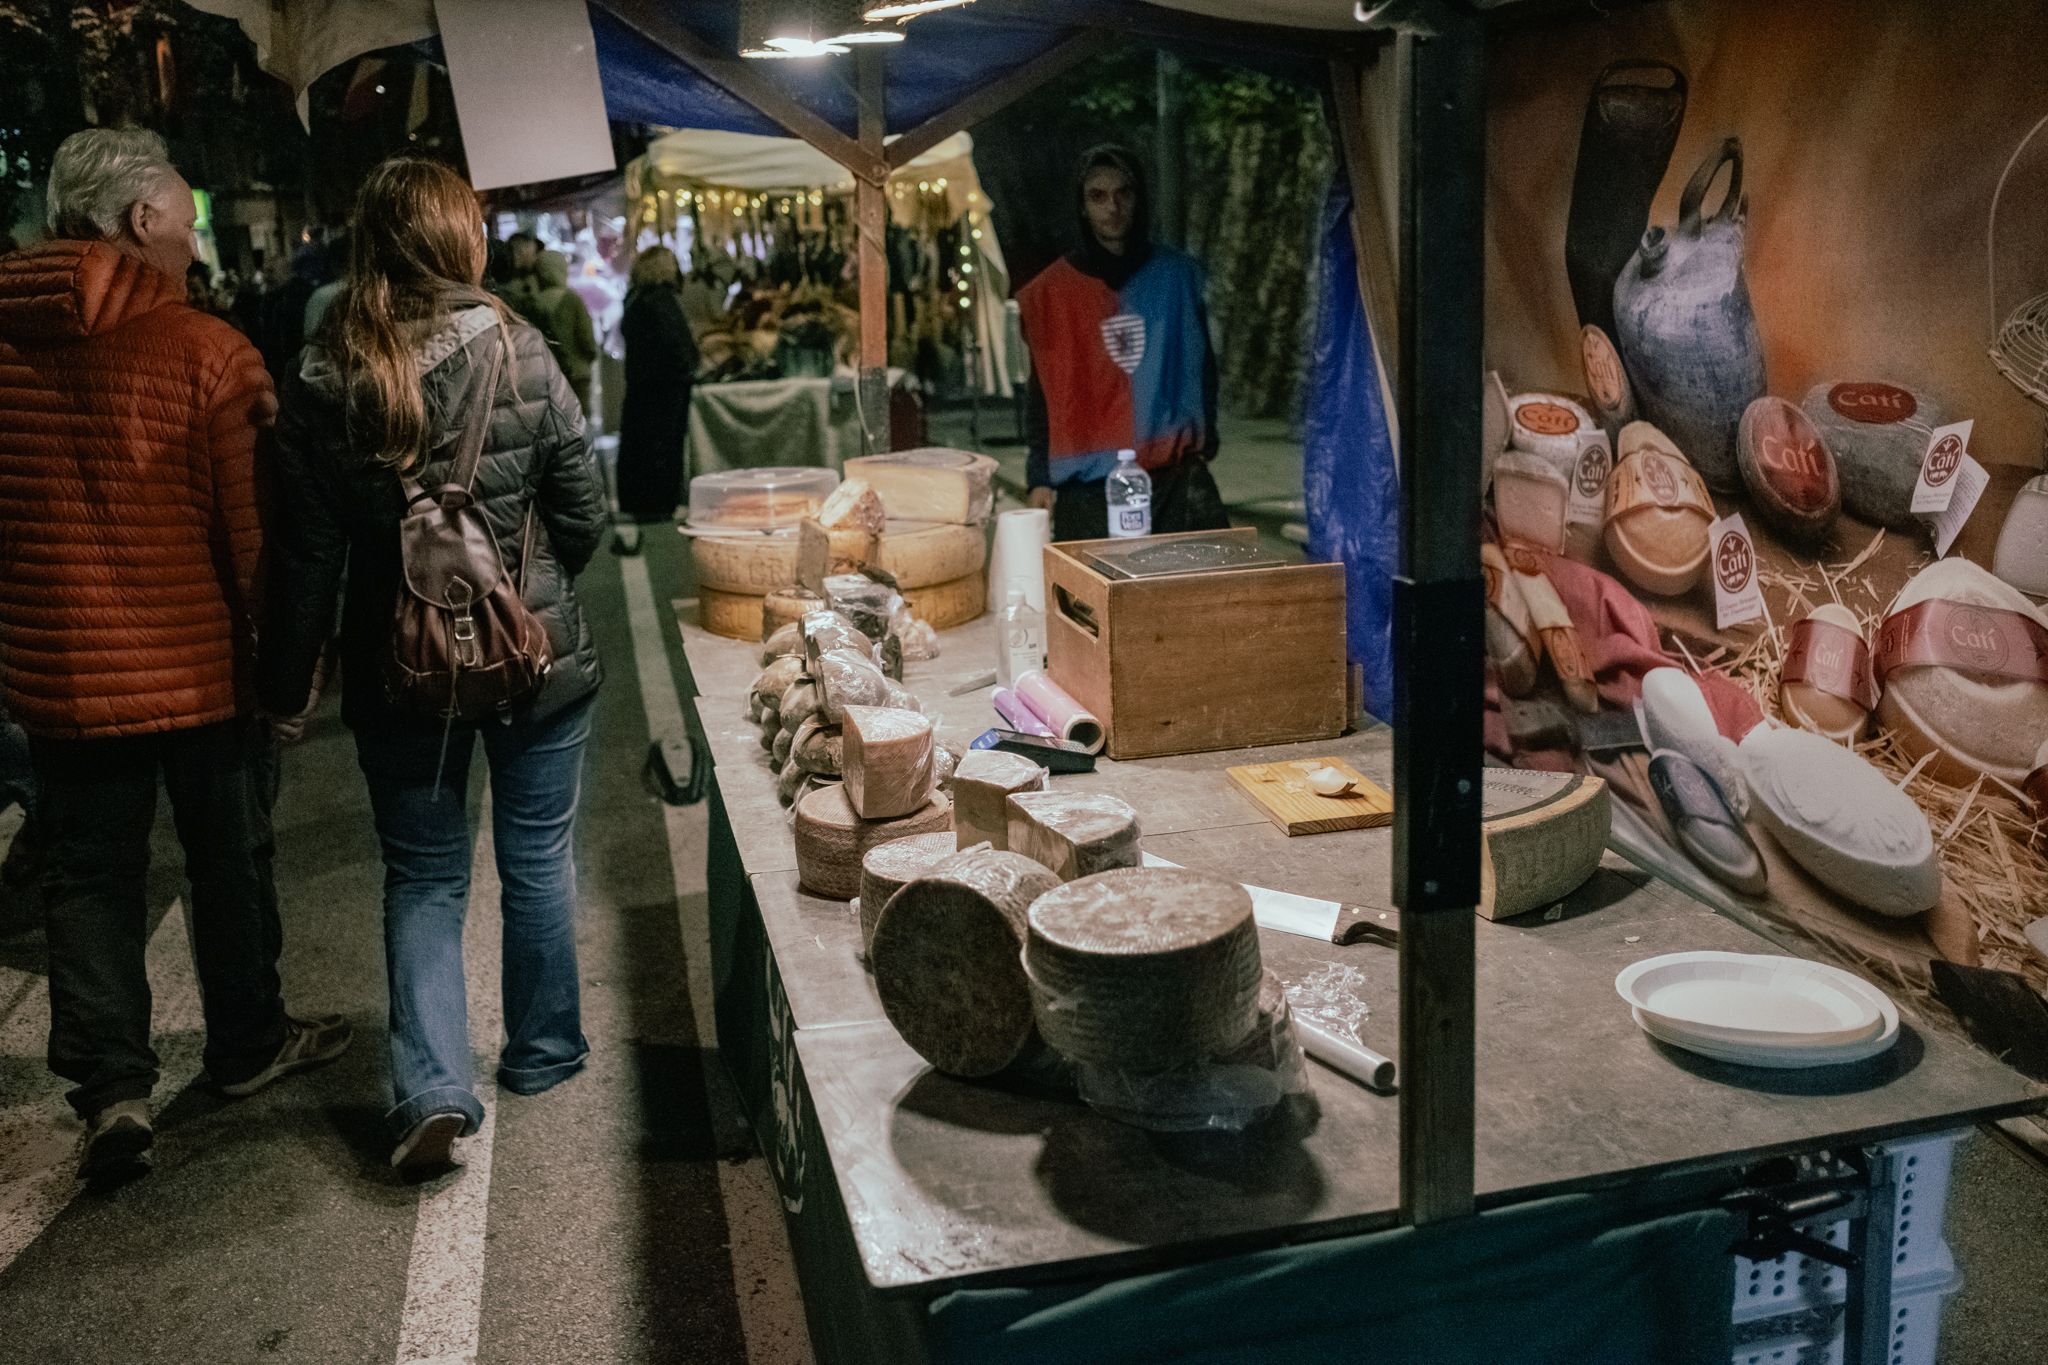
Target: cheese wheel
{"type": "Point", "coordinates": [983, 784]}
{"type": "Point", "coordinates": [1975, 715]}
{"type": "Point", "coordinates": [1788, 469]}
{"type": "Point", "coordinates": [1675, 716]}
{"type": "Point", "coordinates": [888, 868]}
{"type": "Point", "coordinates": [947, 958]}
{"type": "Point", "coordinates": [1543, 833]}
{"type": "Point", "coordinates": [785, 606]}
{"type": "Point", "coordinates": [1877, 433]}
{"type": "Point", "coordinates": [1076, 834]}
{"type": "Point", "coordinates": [886, 760]}
{"type": "Point", "coordinates": [735, 616]}
{"type": "Point", "coordinates": [1843, 821]}
{"type": "Point", "coordinates": [1547, 424]}
{"type": "Point", "coordinates": [1826, 667]}
{"type": "Point", "coordinates": [946, 605]}
{"type": "Point", "coordinates": [1658, 512]}
{"type": "Point", "coordinates": [931, 484]}
{"type": "Point", "coordinates": [1144, 968]}
{"type": "Point", "coordinates": [831, 840]}
{"type": "Point", "coordinates": [916, 554]}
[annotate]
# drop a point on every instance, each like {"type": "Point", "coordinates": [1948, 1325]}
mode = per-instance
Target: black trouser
{"type": "Point", "coordinates": [97, 803]}
{"type": "Point", "coordinates": [1184, 498]}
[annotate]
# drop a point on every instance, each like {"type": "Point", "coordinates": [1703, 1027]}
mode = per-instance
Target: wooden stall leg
{"type": "Point", "coordinates": [1438, 605]}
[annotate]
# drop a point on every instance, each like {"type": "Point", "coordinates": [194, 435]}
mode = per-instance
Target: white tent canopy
{"type": "Point", "coordinates": [750, 161]}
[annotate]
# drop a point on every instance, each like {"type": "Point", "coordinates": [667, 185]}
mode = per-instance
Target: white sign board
{"type": "Point", "coordinates": [526, 89]}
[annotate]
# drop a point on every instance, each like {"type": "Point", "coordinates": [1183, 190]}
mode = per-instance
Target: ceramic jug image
{"type": "Point", "coordinates": [1685, 327]}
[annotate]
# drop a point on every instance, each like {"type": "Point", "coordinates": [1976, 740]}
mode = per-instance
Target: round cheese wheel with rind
{"type": "Point", "coordinates": [1144, 968]}
{"type": "Point", "coordinates": [946, 605]}
{"type": "Point", "coordinates": [1808, 707]}
{"type": "Point", "coordinates": [733, 615]}
{"type": "Point", "coordinates": [1542, 834]}
{"type": "Point", "coordinates": [888, 868]}
{"type": "Point", "coordinates": [917, 554]}
{"type": "Point", "coordinates": [947, 958]}
{"type": "Point", "coordinates": [1971, 722]}
{"type": "Point", "coordinates": [831, 840]}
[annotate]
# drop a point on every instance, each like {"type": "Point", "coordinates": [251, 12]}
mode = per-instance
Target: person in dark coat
{"type": "Point", "coordinates": [381, 393]}
{"type": "Point", "coordinates": [661, 363]}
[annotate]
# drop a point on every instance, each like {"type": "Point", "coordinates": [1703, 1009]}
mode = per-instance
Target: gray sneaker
{"type": "Point", "coordinates": [428, 1147]}
{"type": "Point", "coordinates": [307, 1043]}
{"type": "Point", "coordinates": [117, 1143]}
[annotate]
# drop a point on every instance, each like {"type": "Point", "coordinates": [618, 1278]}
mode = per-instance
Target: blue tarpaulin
{"type": "Point", "coordinates": [1348, 466]}
{"type": "Point", "coordinates": [948, 57]}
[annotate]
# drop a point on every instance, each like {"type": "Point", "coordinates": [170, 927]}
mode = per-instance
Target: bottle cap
{"type": "Point", "coordinates": [1126, 456]}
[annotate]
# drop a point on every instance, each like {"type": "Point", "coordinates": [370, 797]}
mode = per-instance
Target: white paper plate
{"type": "Point", "coordinates": [1779, 1058]}
{"type": "Point", "coordinates": [1754, 1000]}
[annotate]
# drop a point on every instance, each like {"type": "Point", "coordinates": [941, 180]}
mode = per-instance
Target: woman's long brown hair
{"type": "Point", "coordinates": [418, 234]}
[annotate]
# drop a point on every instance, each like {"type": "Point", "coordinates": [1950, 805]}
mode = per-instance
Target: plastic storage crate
{"type": "Point", "coordinates": [1815, 1338]}
{"type": "Point", "coordinates": [1792, 1283]}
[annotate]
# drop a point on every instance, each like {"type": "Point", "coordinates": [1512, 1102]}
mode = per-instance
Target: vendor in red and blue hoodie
{"type": "Point", "coordinates": [1120, 359]}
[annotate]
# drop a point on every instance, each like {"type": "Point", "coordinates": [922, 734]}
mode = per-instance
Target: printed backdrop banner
{"type": "Point", "coordinates": [1872, 137]}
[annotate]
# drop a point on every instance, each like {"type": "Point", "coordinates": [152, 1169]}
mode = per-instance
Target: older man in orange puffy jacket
{"type": "Point", "coordinates": [130, 546]}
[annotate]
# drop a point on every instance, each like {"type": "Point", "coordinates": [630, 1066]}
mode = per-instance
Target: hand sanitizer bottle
{"type": "Point", "coordinates": [1020, 640]}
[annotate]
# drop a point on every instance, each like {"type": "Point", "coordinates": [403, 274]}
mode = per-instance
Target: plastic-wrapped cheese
{"type": "Point", "coordinates": [854, 505]}
{"type": "Point", "coordinates": [888, 868]}
{"type": "Point", "coordinates": [848, 678]}
{"type": "Point", "coordinates": [886, 759]}
{"type": "Point", "coordinates": [784, 639]}
{"type": "Point", "coordinates": [775, 679]}
{"type": "Point", "coordinates": [1962, 661]}
{"type": "Point", "coordinates": [818, 748]}
{"type": "Point", "coordinates": [1843, 821]}
{"type": "Point", "coordinates": [831, 840]}
{"type": "Point", "coordinates": [1076, 834]}
{"type": "Point", "coordinates": [1144, 968]}
{"type": "Point", "coordinates": [983, 784]}
{"type": "Point", "coordinates": [948, 960]}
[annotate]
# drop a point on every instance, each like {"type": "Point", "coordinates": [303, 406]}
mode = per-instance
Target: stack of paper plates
{"type": "Point", "coordinates": [1758, 1010]}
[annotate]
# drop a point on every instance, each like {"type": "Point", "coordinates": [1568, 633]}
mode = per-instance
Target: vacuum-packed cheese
{"type": "Point", "coordinates": [983, 784]}
{"type": "Point", "coordinates": [886, 760]}
{"type": "Point", "coordinates": [1076, 834]}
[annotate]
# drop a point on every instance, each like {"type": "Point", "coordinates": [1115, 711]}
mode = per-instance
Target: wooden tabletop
{"type": "Point", "coordinates": [948, 1183]}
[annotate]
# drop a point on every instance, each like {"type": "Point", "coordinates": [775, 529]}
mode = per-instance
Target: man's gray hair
{"type": "Point", "coordinates": [98, 174]}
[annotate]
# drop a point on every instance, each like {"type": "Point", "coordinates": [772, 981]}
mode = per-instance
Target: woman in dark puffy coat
{"type": "Point", "coordinates": [379, 394]}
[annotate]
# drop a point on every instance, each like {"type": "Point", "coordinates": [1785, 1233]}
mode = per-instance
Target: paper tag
{"type": "Point", "coordinates": [1737, 595]}
{"type": "Point", "coordinates": [1588, 505]}
{"type": "Point", "coordinates": [1947, 448]}
{"type": "Point", "coordinates": [1970, 481]}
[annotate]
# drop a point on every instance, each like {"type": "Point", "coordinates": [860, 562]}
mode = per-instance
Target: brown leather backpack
{"type": "Point", "coordinates": [464, 644]}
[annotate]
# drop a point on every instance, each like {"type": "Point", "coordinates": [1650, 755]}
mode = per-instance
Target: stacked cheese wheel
{"type": "Point", "coordinates": [934, 542]}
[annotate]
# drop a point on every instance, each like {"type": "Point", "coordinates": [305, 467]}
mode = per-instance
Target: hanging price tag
{"type": "Point", "coordinates": [1947, 448]}
{"type": "Point", "coordinates": [1968, 485]}
{"type": "Point", "coordinates": [1731, 559]}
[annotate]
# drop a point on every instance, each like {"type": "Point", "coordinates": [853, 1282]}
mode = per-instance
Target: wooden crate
{"type": "Point", "coordinates": [1197, 662]}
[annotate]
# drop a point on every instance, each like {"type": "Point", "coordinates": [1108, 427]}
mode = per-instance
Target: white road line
{"type": "Point", "coordinates": [39, 1135]}
{"type": "Point", "coordinates": [444, 1280]}
{"type": "Point", "coordinates": [764, 1278]}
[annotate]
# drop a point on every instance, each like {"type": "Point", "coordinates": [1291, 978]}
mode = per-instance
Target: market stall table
{"type": "Point", "coordinates": [904, 1186]}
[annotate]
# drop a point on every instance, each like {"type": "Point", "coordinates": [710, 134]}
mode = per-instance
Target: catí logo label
{"type": "Point", "coordinates": [1547, 419]}
{"type": "Point", "coordinates": [1733, 561]}
{"type": "Point", "coordinates": [1976, 638]}
{"type": "Point", "coordinates": [1944, 460]}
{"type": "Point", "coordinates": [1592, 471]}
{"type": "Point", "coordinates": [1797, 466]}
{"type": "Point", "coordinates": [1663, 483]}
{"type": "Point", "coordinates": [1876, 404]}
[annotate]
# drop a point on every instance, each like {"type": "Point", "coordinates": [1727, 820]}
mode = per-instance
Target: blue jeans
{"type": "Point", "coordinates": [536, 775]}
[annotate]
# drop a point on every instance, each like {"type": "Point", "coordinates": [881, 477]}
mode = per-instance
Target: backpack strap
{"type": "Point", "coordinates": [473, 428]}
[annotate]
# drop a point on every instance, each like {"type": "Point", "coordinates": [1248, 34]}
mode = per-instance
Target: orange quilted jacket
{"type": "Point", "coordinates": [129, 526]}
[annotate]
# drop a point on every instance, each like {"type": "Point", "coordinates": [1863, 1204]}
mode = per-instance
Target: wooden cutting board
{"type": "Point", "coordinates": [1282, 792]}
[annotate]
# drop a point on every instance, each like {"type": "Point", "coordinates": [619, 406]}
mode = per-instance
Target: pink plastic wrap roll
{"type": "Point", "coordinates": [1051, 703]}
{"type": "Point", "coordinates": [1020, 717]}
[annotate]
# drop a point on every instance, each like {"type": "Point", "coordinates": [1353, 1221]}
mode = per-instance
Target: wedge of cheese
{"type": "Point", "coordinates": [932, 484]}
{"type": "Point", "coordinates": [1075, 834]}
{"type": "Point", "coordinates": [886, 760]}
{"type": "Point", "coordinates": [982, 787]}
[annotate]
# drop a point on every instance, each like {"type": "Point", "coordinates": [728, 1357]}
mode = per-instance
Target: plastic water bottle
{"type": "Point", "coordinates": [1020, 642]}
{"type": "Point", "coordinates": [1129, 491]}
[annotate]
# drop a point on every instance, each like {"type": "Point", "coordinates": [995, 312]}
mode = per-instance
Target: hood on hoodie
{"type": "Point", "coordinates": [67, 290]}
{"type": "Point", "coordinates": [436, 343]}
{"type": "Point", "coordinates": [1089, 256]}
{"type": "Point", "coordinates": [553, 269]}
